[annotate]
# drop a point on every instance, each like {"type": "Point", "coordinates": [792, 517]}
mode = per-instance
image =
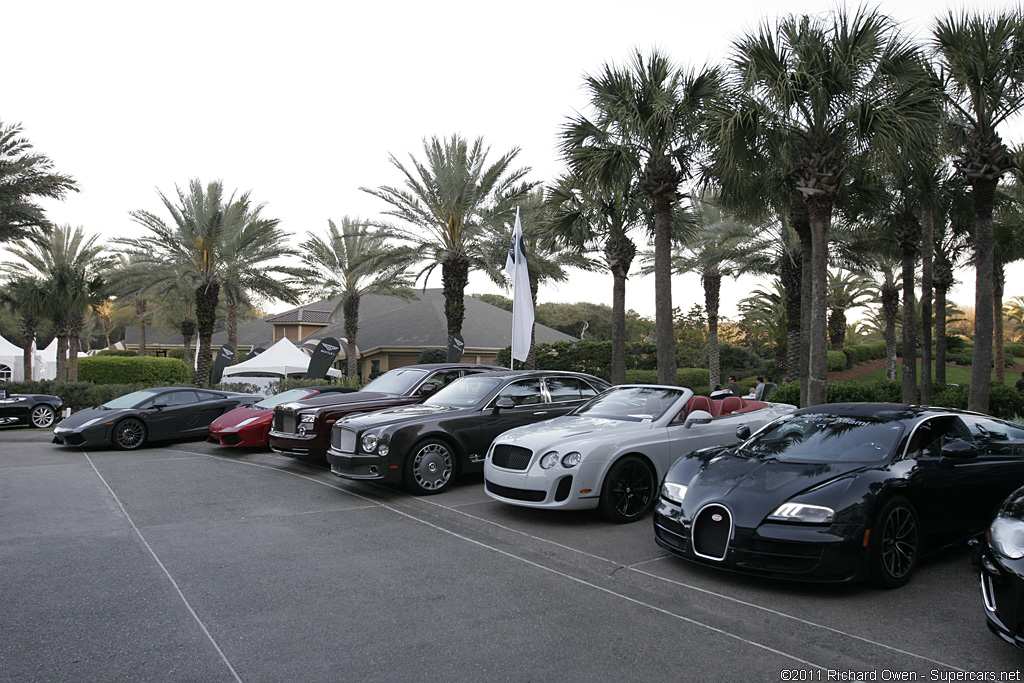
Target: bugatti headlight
{"type": "Point", "coordinates": [571, 459]}
{"type": "Point", "coordinates": [369, 443]}
{"type": "Point", "coordinates": [549, 460]}
{"type": "Point", "coordinates": [673, 492]}
{"type": "Point", "coordinates": [803, 513]}
{"type": "Point", "coordinates": [1007, 536]}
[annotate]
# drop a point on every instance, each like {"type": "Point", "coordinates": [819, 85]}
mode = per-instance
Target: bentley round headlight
{"type": "Point", "coordinates": [369, 442]}
{"type": "Point", "coordinates": [1007, 535]}
{"type": "Point", "coordinates": [571, 459]}
{"type": "Point", "coordinates": [382, 449]}
{"type": "Point", "coordinates": [674, 492]}
{"type": "Point", "coordinates": [549, 460]}
{"type": "Point", "coordinates": [804, 513]}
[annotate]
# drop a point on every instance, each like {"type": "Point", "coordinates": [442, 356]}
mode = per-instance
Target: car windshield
{"type": "Point", "coordinates": [465, 392]}
{"type": "Point", "coordinates": [399, 381]}
{"type": "Point", "coordinates": [131, 400]}
{"type": "Point", "coordinates": [278, 399]}
{"type": "Point", "coordinates": [633, 404]}
{"type": "Point", "coordinates": [820, 437]}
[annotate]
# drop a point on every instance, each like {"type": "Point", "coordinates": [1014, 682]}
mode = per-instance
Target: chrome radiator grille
{"type": "Point", "coordinates": [343, 439]}
{"type": "Point", "coordinates": [284, 421]}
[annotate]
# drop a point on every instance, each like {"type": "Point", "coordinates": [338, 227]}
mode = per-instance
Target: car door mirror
{"type": "Point", "coordinates": [504, 404]}
{"type": "Point", "coordinates": [743, 432]}
{"type": "Point", "coordinates": [698, 417]}
{"type": "Point", "coordinates": [959, 449]}
{"type": "Point", "coordinates": [427, 389]}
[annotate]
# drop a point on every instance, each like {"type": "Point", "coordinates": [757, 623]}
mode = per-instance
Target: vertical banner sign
{"type": "Point", "coordinates": [224, 358]}
{"type": "Point", "coordinates": [323, 357]}
{"type": "Point", "coordinates": [522, 297]}
{"type": "Point", "coordinates": [456, 348]}
{"type": "Point", "coordinates": [257, 350]}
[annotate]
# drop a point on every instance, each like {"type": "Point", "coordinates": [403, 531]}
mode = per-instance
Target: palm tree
{"type": "Point", "coordinates": [827, 97]}
{"type": "Point", "coordinates": [254, 250]}
{"type": "Point", "coordinates": [209, 244]}
{"type": "Point", "coordinates": [586, 217]}
{"type": "Point", "coordinates": [846, 290]}
{"type": "Point", "coordinates": [454, 196]}
{"type": "Point", "coordinates": [764, 319]}
{"type": "Point", "coordinates": [26, 296]}
{"type": "Point", "coordinates": [351, 262]}
{"type": "Point", "coordinates": [648, 126]}
{"type": "Point", "coordinates": [70, 267]}
{"type": "Point", "coordinates": [1008, 247]}
{"type": "Point", "coordinates": [982, 67]}
{"type": "Point", "coordinates": [1014, 309]}
{"type": "Point", "coordinates": [25, 175]}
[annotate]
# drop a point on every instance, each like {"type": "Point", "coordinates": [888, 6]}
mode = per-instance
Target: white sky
{"type": "Point", "coordinates": [303, 102]}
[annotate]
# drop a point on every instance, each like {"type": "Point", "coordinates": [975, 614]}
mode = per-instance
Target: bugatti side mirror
{"type": "Point", "coordinates": [743, 432]}
{"type": "Point", "coordinates": [959, 449]}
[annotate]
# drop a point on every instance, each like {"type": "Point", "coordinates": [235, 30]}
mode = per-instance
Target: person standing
{"type": "Point", "coordinates": [1019, 385]}
{"type": "Point", "coordinates": [734, 387]}
{"type": "Point", "coordinates": [759, 389]}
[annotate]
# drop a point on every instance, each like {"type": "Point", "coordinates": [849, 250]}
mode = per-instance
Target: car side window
{"type": "Point", "coordinates": [524, 392]}
{"type": "Point", "coordinates": [178, 398]}
{"type": "Point", "coordinates": [931, 435]}
{"type": "Point", "coordinates": [440, 379]}
{"type": "Point", "coordinates": [995, 436]}
{"type": "Point", "coordinates": [563, 389]}
{"type": "Point", "coordinates": [207, 396]}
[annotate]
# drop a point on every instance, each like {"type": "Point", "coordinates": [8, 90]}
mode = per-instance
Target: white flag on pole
{"type": "Point", "coordinates": [522, 298]}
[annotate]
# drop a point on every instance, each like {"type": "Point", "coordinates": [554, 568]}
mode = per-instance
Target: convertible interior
{"type": "Point", "coordinates": [730, 405]}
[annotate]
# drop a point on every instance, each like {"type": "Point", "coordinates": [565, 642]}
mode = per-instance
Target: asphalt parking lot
{"type": "Point", "coordinates": [190, 562]}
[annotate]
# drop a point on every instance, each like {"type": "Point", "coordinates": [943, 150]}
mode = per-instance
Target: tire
{"type": "Point", "coordinates": [129, 434]}
{"type": "Point", "coordinates": [429, 468]}
{"type": "Point", "coordinates": [42, 416]}
{"type": "Point", "coordinates": [628, 492]}
{"type": "Point", "coordinates": [895, 544]}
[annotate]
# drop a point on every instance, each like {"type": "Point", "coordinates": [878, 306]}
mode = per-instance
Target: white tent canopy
{"type": "Point", "coordinates": [12, 361]}
{"type": "Point", "coordinates": [282, 359]}
{"type": "Point", "coordinates": [45, 363]}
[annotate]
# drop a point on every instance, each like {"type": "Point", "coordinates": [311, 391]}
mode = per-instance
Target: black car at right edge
{"type": "Point", "coordinates": [1002, 571]}
{"type": "Point", "coordinates": [841, 492]}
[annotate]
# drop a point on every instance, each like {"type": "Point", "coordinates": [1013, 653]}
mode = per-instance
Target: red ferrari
{"type": "Point", "coordinates": [247, 427]}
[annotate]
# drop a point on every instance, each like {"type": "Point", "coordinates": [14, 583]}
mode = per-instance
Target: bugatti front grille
{"type": "Point", "coordinates": [511, 457]}
{"type": "Point", "coordinates": [712, 528]}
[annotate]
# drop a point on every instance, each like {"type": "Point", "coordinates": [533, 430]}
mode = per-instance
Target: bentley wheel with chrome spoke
{"type": "Point", "coordinates": [430, 467]}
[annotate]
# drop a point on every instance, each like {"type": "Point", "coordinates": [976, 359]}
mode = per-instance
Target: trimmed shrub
{"type": "Point", "coordinates": [116, 352]}
{"type": "Point", "coordinates": [737, 360]}
{"type": "Point", "coordinates": [176, 353]}
{"type": "Point", "coordinates": [433, 356]}
{"type": "Point", "coordinates": [75, 395]}
{"type": "Point", "coordinates": [862, 353]}
{"type": "Point", "coordinates": [138, 370]}
{"type": "Point", "coordinates": [836, 361]}
{"type": "Point", "coordinates": [1014, 349]}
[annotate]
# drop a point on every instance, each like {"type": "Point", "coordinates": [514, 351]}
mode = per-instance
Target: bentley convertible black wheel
{"type": "Point", "coordinates": [628, 491]}
{"type": "Point", "coordinates": [42, 416]}
{"type": "Point", "coordinates": [895, 539]}
{"type": "Point", "coordinates": [129, 434]}
{"type": "Point", "coordinates": [429, 468]}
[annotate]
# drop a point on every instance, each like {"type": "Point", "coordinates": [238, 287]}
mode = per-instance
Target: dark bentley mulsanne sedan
{"type": "Point", "coordinates": [424, 446]}
{"type": "Point", "coordinates": [841, 492]}
{"type": "Point", "coordinates": [303, 428]}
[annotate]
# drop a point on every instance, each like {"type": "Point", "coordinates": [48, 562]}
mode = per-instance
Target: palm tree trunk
{"type": "Point", "coordinates": [619, 252]}
{"type": "Point", "coordinates": [837, 329]}
{"type": "Point", "coordinates": [531, 356]}
{"type": "Point", "coordinates": [712, 293]}
{"type": "Point", "coordinates": [454, 279]}
{"type": "Point", "coordinates": [943, 281]}
{"type": "Point", "coordinates": [998, 348]}
{"type": "Point", "coordinates": [927, 246]}
{"type": "Point", "coordinates": [140, 313]}
{"type": "Point", "coordinates": [664, 325]}
{"type": "Point", "coordinates": [983, 191]}
{"type": "Point", "coordinates": [890, 308]}
{"type": "Point", "coordinates": [232, 306]}
{"type": "Point", "coordinates": [74, 343]}
{"type": "Point", "coordinates": [350, 310]}
{"type": "Point", "coordinates": [790, 270]}
{"type": "Point", "coordinates": [801, 222]}
{"type": "Point", "coordinates": [28, 335]}
{"type": "Point", "coordinates": [820, 210]}
{"type": "Point", "coordinates": [62, 355]}
{"type": "Point", "coordinates": [206, 317]}
{"type": "Point", "coordinates": [909, 384]}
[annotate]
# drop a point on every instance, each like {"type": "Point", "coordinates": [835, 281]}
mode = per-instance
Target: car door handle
{"type": "Point", "coordinates": [541, 412]}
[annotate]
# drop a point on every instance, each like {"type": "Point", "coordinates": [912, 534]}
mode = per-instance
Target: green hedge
{"type": "Point", "coordinates": [1005, 402]}
{"type": "Point", "coordinates": [694, 378]}
{"type": "Point", "coordinates": [75, 395]}
{"type": "Point", "coordinates": [836, 361]}
{"type": "Point", "coordinates": [862, 353]}
{"type": "Point", "coordinates": [1014, 349]}
{"type": "Point", "coordinates": [117, 352]}
{"type": "Point", "coordinates": [138, 370]}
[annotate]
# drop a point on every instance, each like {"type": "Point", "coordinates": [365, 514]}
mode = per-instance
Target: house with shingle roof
{"type": "Point", "coordinates": [392, 331]}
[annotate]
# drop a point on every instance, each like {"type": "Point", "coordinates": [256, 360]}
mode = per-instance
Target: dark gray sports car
{"type": "Point", "coordinates": [149, 415]}
{"type": "Point", "coordinates": [36, 410]}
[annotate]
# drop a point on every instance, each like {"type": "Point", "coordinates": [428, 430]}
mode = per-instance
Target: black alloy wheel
{"type": "Point", "coordinates": [129, 434]}
{"type": "Point", "coordinates": [895, 540]}
{"type": "Point", "coordinates": [429, 468]}
{"type": "Point", "coordinates": [628, 491]}
{"type": "Point", "coordinates": [42, 416]}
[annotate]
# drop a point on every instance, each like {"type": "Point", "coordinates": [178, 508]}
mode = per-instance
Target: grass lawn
{"type": "Point", "coordinates": [955, 374]}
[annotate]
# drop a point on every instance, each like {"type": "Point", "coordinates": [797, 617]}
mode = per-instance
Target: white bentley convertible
{"type": "Point", "coordinates": [613, 452]}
